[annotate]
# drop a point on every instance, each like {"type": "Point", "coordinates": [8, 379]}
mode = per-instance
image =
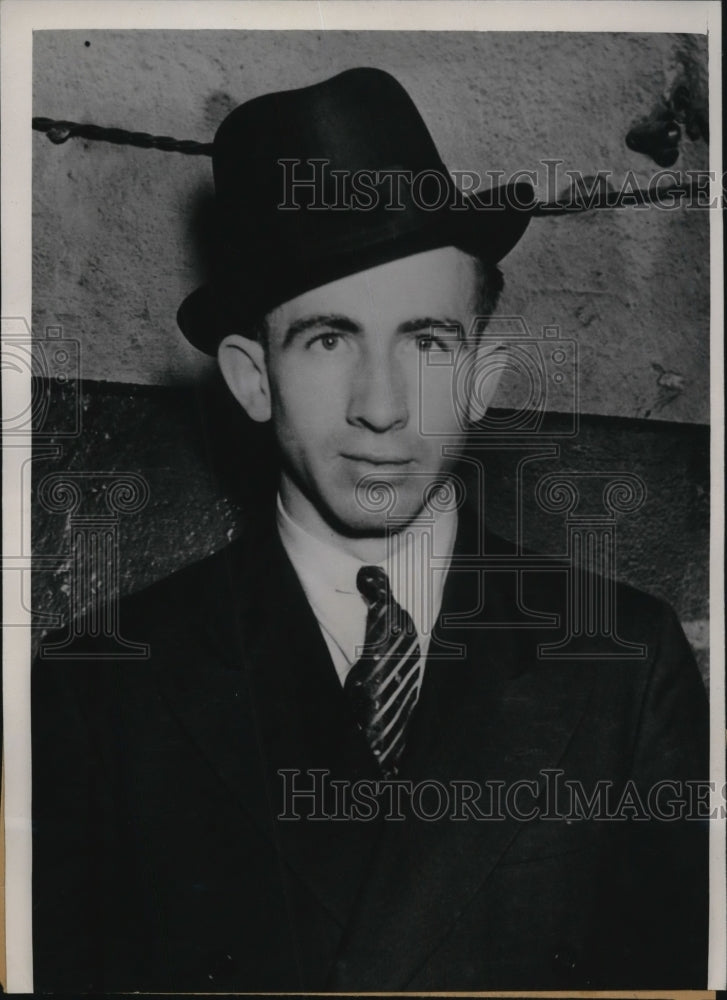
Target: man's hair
{"type": "Point", "coordinates": [490, 282]}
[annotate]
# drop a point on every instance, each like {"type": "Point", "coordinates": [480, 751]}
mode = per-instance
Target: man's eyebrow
{"type": "Point", "coordinates": [342, 324]}
{"type": "Point", "coordinates": [427, 322]}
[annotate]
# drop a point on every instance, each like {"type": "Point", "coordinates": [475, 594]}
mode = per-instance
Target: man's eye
{"type": "Point", "coordinates": [429, 343]}
{"type": "Point", "coordinates": [328, 341]}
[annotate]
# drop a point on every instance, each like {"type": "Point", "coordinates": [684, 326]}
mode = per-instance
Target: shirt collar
{"type": "Point", "coordinates": [316, 562]}
{"type": "Point", "coordinates": [416, 566]}
{"type": "Point", "coordinates": [323, 567]}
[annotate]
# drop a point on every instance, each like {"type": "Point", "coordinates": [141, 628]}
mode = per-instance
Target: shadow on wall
{"type": "Point", "coordinates": [202, 230]}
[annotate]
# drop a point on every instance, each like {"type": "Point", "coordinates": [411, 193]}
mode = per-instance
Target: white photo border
{"type": "Point", "coordinates": [19, 19]}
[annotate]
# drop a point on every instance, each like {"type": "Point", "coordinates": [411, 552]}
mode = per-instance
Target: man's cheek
{"type": "Point", "coordinates": [435, 410]}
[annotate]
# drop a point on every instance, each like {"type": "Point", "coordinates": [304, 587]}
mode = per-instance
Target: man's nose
{"type": "Point", "coordinates": [379, 395]}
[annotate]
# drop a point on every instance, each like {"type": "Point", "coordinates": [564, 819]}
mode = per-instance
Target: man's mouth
{"type": "Point", "coordinates": [378, 460]}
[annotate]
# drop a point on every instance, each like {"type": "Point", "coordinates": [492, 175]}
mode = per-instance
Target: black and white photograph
{"type": "Point", "coordinates": [363, 498]}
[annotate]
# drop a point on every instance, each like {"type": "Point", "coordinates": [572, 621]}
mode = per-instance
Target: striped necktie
{"type": "Point", "coordinates": [383, 685]}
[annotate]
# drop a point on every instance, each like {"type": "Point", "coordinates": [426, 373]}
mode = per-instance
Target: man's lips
{"type": "Point", "coordinates": [377, 460]}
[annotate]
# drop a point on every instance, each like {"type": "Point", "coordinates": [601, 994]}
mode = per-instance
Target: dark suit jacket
{"type": "Point", "coordinates": [160, 863]}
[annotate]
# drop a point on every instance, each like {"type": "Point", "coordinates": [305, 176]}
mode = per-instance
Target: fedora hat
{"type": "Point", "coordinates": [318, 183]}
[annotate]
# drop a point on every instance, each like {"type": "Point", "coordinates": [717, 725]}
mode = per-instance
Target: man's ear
{"type": "Point", "coordinates": [490, 360]}
{"type": "Point", "coordinates": [243, 367]}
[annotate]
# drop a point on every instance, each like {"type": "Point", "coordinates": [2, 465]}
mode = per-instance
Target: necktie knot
{"type": "Point", "coordinates": [373, 585]}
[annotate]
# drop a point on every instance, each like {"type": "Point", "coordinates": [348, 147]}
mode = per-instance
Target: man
{"type": "Point", "coordinates": [257, 806]}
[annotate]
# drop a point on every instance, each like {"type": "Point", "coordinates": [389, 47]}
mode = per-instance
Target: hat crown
{"type": "Point", "coordinates": [361, 119]}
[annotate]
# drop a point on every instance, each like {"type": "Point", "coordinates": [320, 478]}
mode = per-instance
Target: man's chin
{"type": "Point", "coordinates": [376, 507]}
{"type": "Point", "coordinates": [359, 522]}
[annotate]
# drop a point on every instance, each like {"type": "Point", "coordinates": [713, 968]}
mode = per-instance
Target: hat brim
{"type": "Point", "coordinates": [487, 225]}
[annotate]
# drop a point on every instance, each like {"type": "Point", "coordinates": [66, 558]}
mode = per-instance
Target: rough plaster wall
{"type": "Point", "coordinates": [115, 244]}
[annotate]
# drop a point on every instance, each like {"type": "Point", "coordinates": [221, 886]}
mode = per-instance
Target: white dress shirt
{"type": "Point", "coordinates": [417, 563]}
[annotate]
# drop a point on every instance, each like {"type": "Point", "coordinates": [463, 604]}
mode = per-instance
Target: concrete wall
{"type": "Point", "coordinates": [115, 229]}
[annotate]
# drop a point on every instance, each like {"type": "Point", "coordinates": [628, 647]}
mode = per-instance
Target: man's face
{"type": "Point", "coordinates": [362, 390]}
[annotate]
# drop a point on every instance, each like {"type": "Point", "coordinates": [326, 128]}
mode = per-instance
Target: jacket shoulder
{"type": "Point", "coordinates": [555, 584]}
{"type": "Point", "coordinates": [162, 615]}
{"type": "Point", "coordinates": [603, 616]}
{"type": "Point", "coordinates": [189, 588]}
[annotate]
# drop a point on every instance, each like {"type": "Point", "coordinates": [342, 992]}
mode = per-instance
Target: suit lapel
{"type": "Point", "coordinates": [496, 715]}
{"type": "Point", "coordinates": [268, 700]}
{"type": "Point", "coordinates": [306, 725]}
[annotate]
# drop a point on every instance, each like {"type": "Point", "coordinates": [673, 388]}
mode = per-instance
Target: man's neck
{"type": "Point", "coordinates": [367, 549]}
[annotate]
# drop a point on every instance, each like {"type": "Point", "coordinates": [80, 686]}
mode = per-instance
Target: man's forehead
{"type": "Point", "coordinates": [439, 283]}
